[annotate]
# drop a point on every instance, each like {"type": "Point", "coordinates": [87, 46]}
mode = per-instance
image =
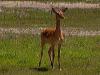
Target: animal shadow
{"type": "Point", "coordinates": [41, 69]}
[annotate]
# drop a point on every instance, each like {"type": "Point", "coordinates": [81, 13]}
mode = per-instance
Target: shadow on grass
{"type": "Point", "coordinates": [41, 69]}
{"type": "Point", "coordinates": [3, 70]}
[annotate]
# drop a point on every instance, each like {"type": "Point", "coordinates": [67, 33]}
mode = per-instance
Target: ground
{"type": "Point", "coordinates": [79, 55]}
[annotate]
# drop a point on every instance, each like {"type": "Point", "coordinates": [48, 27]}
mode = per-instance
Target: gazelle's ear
{"type": "Point", "coordinates": [64, 9]}
{"type": "Point", "coordinates": [51, 10]}
{"type": "Point", "coordinates": [56, 10]}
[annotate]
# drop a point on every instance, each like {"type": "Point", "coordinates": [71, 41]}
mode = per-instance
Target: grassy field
{"type": "Point", "coordinates": [20, 55]}
{"type": "Point", "coordinates": [86, 18]}
{"type": "Point", "coordinates": [79, 56]}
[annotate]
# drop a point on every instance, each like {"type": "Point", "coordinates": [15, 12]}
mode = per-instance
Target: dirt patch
{"type": "Point", "coordinates": [36, 31]}
{"type": "Point", "coordinates": [46, 6]}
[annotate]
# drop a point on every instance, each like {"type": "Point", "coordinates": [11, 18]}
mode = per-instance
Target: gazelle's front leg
{"type": "Point", "coordinates": [41, 54]}
{"type": "Point", "coordinates": [53, 56]}
{"type": "Point", "coordinates": [59, 47]}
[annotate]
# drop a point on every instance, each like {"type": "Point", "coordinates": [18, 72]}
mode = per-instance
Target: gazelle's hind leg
{"type": "Point", "coordinates": [41, 54]}
{"type": "Point", "coordinates": [59, 47]}
{"type": "Point", "coordinates": [51, 50]}
{"type": "Point", "coordinates": [49, 53]}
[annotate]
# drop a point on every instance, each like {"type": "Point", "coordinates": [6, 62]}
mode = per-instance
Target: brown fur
{"type": "Point", "coordinates": [51, 37]}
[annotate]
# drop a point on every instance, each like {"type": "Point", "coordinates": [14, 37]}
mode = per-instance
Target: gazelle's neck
{"type": "Point", "coordinates": [58, 24]}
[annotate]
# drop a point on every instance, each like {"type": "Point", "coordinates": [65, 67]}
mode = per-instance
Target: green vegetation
{"type": "Point", "coordinates": [79, 56]}
{"type": "Point", "coordinates": [24, 17]}
{"type": "Point", "coordinates": [19, 54]}
{"type": "Point", "coordinates": [86, 18]}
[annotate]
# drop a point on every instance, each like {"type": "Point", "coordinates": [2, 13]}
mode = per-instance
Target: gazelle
{"type": "Point", "coordinates": [54, 37]}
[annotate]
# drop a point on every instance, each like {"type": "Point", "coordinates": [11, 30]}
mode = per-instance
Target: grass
{"type": "Point", "coordinates": [20, 55]}
{"type": "Point", "coordinates": [23, 17]}
{"type": "Point", "coordinates": [79, 56]}
{"type": "Point", "coordinates": [85, 18]}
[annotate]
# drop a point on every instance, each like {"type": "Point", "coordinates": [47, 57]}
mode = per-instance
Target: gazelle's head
{"type": "Point", "coordinates": [59, 11]}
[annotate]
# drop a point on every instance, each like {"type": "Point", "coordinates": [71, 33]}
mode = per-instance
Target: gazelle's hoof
{"type": "Point", "coordinates": [53, 68]}
{"type": "Point", "coordinates": [60, 69]}
{"type": "Point", "coordinates": [39, 64]}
